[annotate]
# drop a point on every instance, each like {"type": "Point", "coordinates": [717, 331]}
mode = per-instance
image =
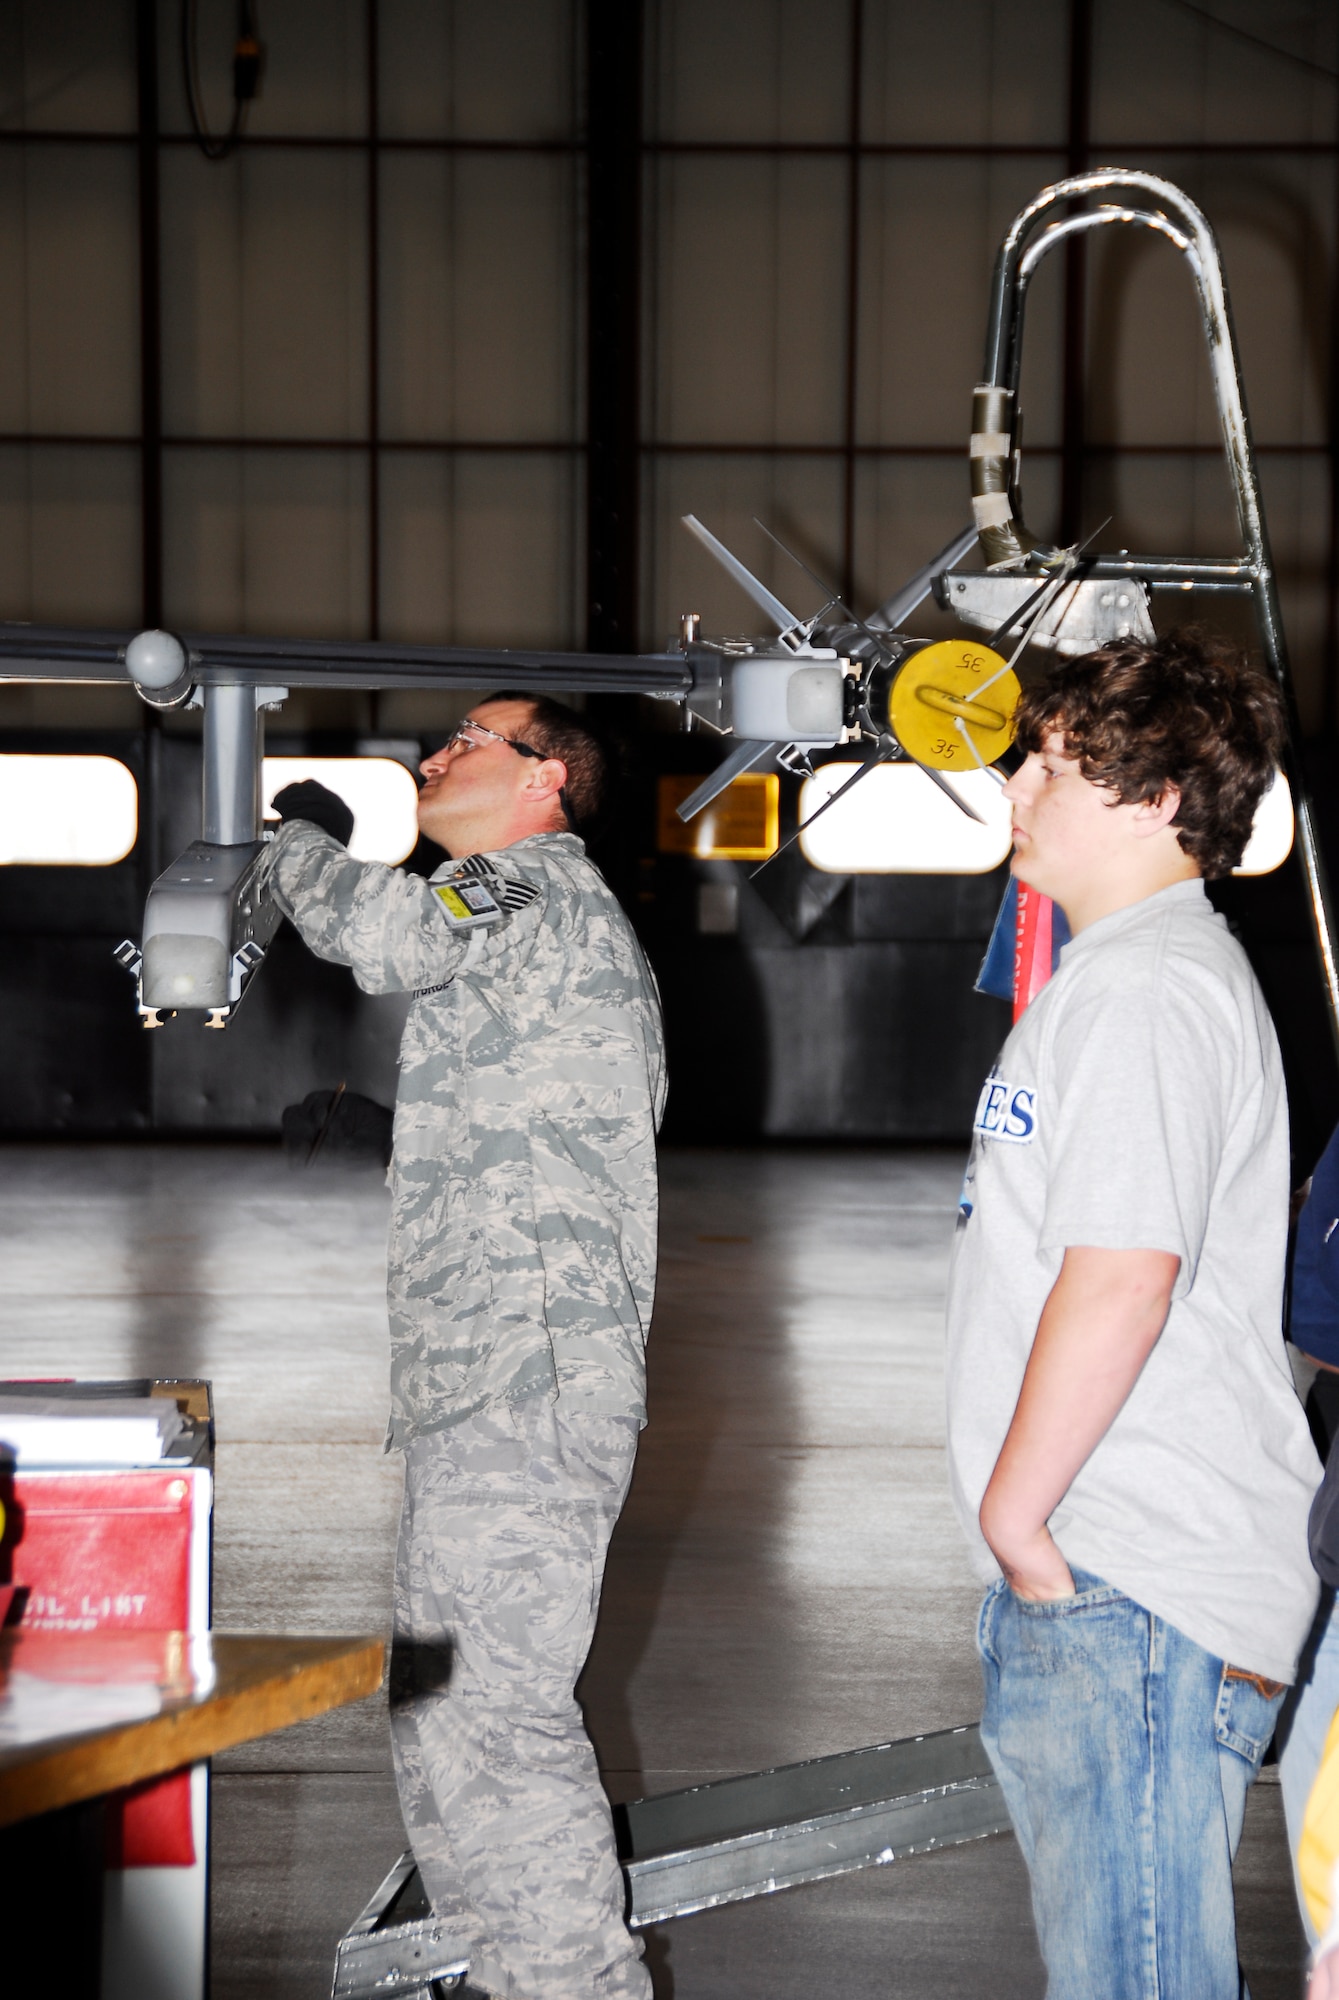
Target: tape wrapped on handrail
{"type": "Point", "coordinates": [991, 510]}
{"type": "Point", "coordinates": [1004, 540]}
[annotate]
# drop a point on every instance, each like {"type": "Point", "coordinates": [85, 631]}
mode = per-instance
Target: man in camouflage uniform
{"type": "Point", "coordinates": [521, 1271]}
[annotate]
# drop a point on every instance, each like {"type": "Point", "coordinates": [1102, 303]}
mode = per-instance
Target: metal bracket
{"type": "Point", "coordinates": [707, 699]}
{"type": "Point", "coordinates": [397, 1948]}
{"type": "Point", "coordinates": [747, 1837]}
{"type": "Point", "coordinates": [1079, 618]}
{"type": "Point", "coordinates": [723, 1843]}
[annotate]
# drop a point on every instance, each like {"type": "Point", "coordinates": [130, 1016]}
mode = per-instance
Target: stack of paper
{"type": "Point", "coordinates": [115, 1430]}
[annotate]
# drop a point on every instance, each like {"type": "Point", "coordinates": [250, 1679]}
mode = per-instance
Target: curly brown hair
{"type": "Point", "coordinates": [1183, 711]}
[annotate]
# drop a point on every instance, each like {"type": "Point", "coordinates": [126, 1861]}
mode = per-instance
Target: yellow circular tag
{"type": "Point", "coordinates": [949, 692]}
{"type": "Point", "coordinates": [2, 1520]}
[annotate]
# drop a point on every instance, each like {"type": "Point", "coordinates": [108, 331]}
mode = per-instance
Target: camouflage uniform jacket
{"type": "Point", "coordinates": [523, 1231]}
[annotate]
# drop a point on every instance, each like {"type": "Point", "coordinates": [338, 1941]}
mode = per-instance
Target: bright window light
{"type": "Point", "coordinates": [896, 821]}
{"type": "Point", "coordinates": [1271, 838]}
{"type": "Point", "coordinates": [62, 811]}
{"type": "Point", "coordinates": [380, 793]}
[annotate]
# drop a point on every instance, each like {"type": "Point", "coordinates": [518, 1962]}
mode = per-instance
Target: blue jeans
{"type": "Point", "coordinates": [1124, 1752]}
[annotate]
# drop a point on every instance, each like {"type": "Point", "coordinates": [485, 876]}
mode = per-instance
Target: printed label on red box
{"type": "Point", "coordinates": [101, 1550]}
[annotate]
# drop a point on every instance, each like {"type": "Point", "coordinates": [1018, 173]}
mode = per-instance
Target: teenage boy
{"type": "Point", "coordinates": [1128, 1456]}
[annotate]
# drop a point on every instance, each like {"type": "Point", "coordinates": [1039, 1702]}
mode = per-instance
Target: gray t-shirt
{"type": "Point", "coordinates": [1139, 1105]}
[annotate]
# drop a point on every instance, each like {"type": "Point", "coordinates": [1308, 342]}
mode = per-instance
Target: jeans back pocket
{"type": "Point", "coordinates": [1247, 1710]}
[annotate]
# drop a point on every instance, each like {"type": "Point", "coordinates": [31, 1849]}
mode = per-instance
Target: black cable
{"type": "Point", "coordinates": [247, 59]}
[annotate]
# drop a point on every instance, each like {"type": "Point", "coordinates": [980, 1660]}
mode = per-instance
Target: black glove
{"type": "Point", "coordinates": [318, 806]}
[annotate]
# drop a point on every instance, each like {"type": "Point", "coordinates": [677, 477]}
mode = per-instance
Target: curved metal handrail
{"type": "Point", "coordinates": [1022, 251]}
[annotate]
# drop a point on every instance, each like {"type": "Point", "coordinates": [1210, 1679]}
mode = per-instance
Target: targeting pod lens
{"type": "Point", "coordinates": [952, 706]}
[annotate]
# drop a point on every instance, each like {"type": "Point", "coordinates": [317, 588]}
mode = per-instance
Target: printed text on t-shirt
{"type": "Point", "coordinates": [1004, 1111]}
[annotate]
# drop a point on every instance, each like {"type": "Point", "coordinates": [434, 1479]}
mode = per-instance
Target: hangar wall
{"type": "Point", "coordinates": [342, 382]}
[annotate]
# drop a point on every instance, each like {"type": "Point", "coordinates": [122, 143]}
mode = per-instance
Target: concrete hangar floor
{"type": "Point", "coordinates": [787, 1580]}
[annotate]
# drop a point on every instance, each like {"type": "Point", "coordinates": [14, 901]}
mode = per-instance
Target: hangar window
{"type": "Point", "coordinates": [742, 824]}
{"type": "Point", "coordinates": [64, 811]}
{"type": "Point", "coordinates": [897, 822]}
{"type": "Point", "coordinates": [380, 793]}
{"type": "Point", "coordinates": [1271, 838]}
{"type": "Point", "coordinates": [894, 824]}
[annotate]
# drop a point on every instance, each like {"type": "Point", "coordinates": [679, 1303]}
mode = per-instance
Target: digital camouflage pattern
{"type": "Point", "coordinates": [523, 1231]}
{"type": "Point", "coordinates": [506, 1521]}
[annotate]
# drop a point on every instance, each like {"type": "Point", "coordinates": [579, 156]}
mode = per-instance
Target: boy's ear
{"type": "Point", "coordinates": [1151, 815]}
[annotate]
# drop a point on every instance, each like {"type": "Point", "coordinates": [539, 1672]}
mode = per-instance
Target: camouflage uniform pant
{"type": "Point", "coordinates": [506, 1522]}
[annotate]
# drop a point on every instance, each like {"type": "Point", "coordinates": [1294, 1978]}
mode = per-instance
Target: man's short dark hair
{"type": "Point", "coordinates": [1182, 711]}
{"type": "Point", "coordinates": [560, 732]}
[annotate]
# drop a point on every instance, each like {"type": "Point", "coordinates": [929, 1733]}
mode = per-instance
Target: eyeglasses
{"type": "Point", "coordinates": [461, 736]}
